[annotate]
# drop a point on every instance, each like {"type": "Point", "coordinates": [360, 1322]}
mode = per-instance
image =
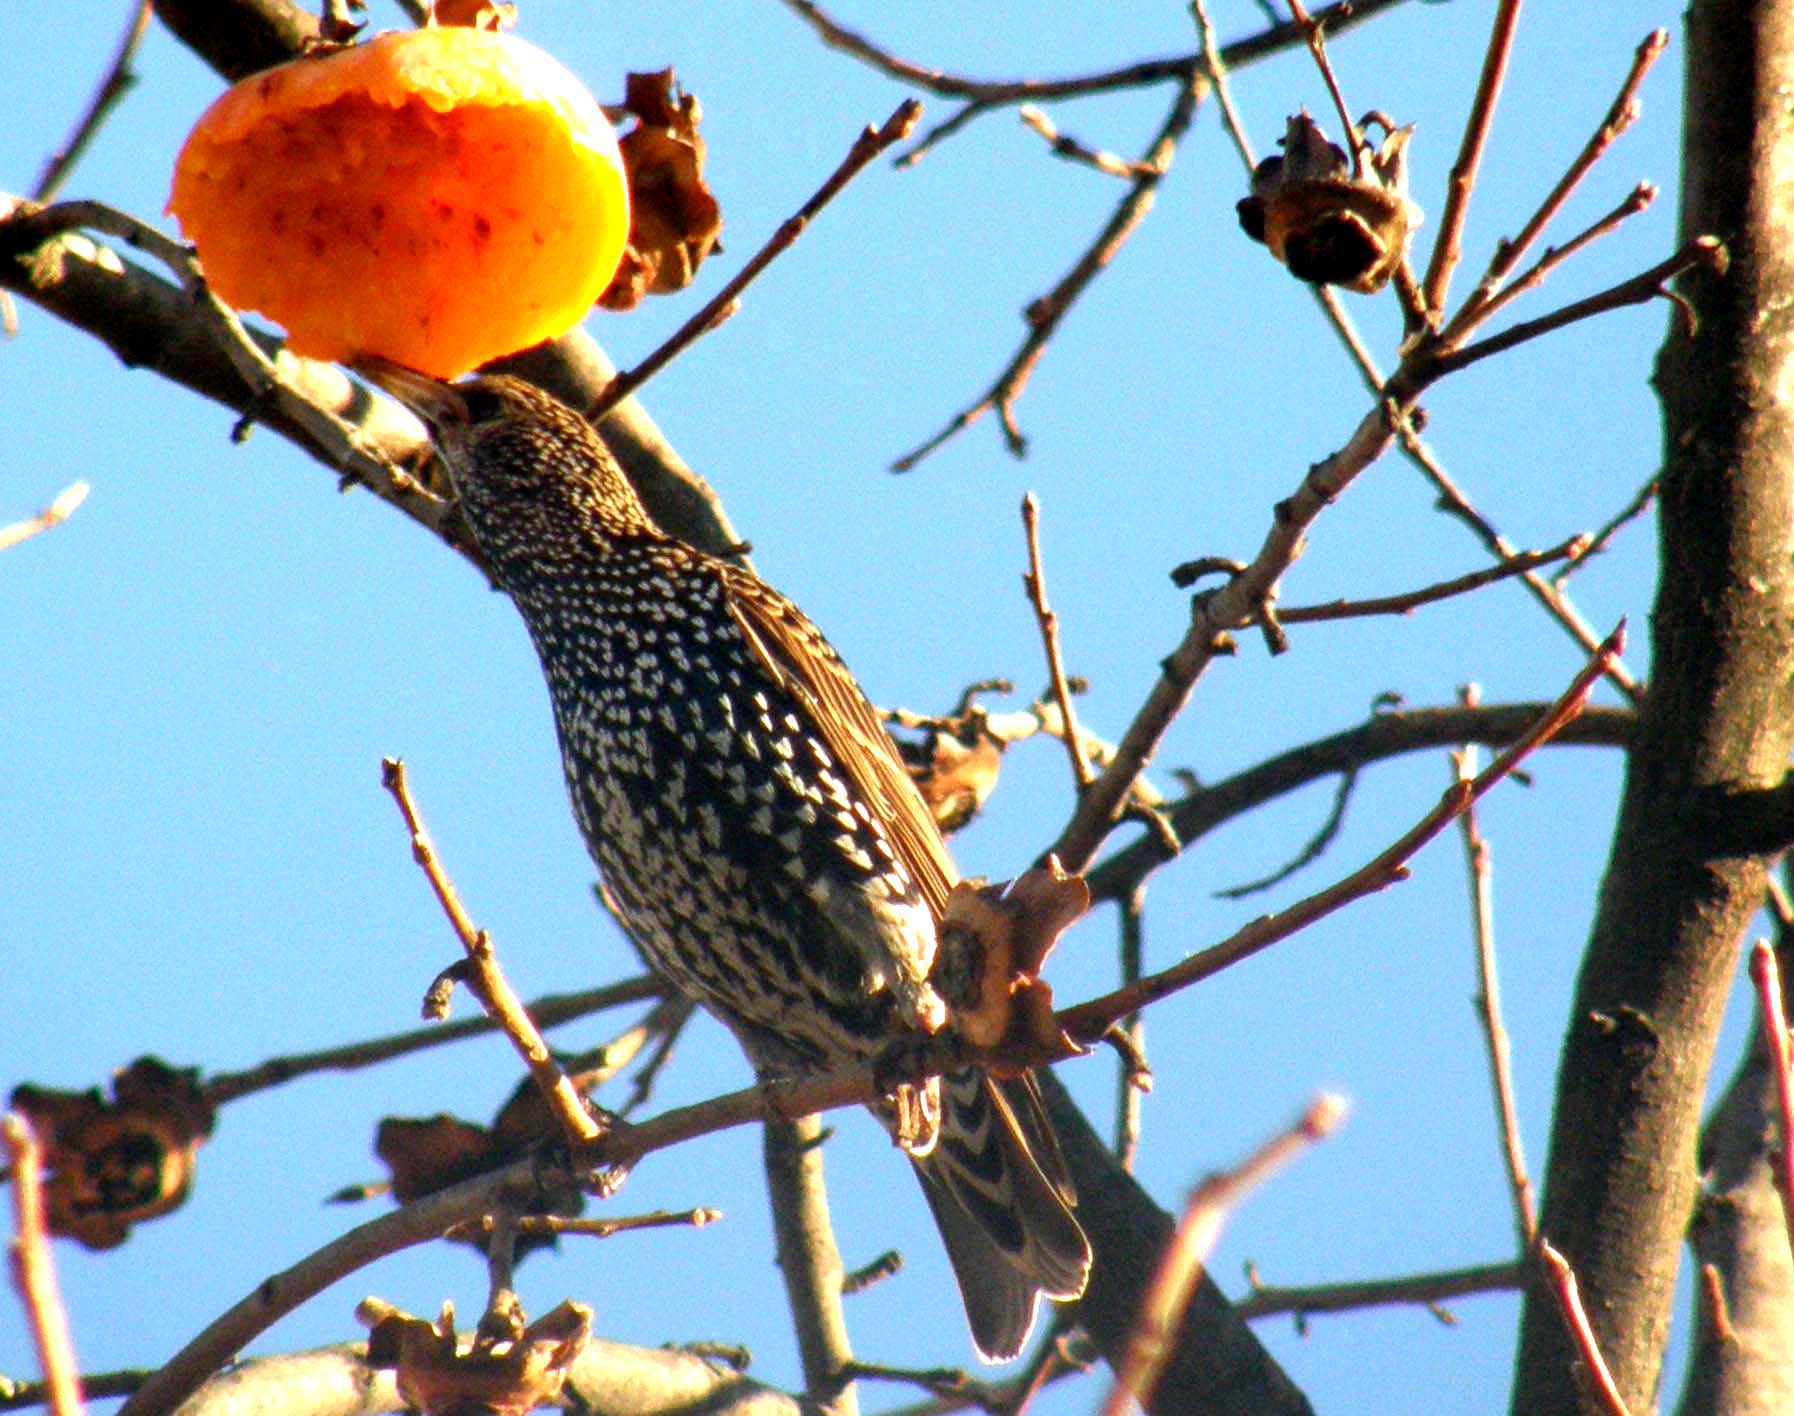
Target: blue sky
{"type": "Point", "coordinates": [208, 662]}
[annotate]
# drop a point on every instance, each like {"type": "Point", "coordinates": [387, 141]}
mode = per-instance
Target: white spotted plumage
{"type": "Point", "coordinates": [754, 826]}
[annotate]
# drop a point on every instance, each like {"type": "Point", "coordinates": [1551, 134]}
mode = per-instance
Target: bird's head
{"type": "Point", "coordinates": [531, 475]}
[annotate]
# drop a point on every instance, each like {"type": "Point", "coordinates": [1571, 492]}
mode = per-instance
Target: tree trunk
{"type": "Point", "coordinates": [1713, 733]}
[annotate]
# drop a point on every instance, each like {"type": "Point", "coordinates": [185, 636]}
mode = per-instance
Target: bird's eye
{"type": "Point", "coordinates": [483, 405]}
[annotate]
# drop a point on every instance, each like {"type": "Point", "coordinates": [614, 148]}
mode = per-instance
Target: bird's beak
{"type": "Point", "coordinates": [431, 399]}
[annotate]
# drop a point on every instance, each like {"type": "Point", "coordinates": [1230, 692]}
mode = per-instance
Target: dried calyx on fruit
{"type": "Point", "coordinates": [1331, 220]}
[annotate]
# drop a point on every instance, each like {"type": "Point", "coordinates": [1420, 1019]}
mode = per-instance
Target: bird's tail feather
{"type": "Point", "coordinates": [1002, 1199]}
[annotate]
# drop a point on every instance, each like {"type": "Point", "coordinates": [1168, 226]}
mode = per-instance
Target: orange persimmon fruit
{"type": "Point", "coordinates": [437, 197]}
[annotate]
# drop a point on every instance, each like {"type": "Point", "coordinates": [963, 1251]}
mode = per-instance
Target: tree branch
{"type": "Point", "coordinates": [1717, 722]}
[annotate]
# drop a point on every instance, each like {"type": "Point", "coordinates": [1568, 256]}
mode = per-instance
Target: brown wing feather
{"type": "Point", "coordinates": [794, 651]}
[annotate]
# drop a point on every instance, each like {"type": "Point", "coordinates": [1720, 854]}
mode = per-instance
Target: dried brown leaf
{"type": "Point", "coordinates": [505, 1376]}
{"type": "Point", "coordinates": [112, 1164]}
{"type": "Point", "coordinates": [427, 1154]}
{"type": "Point", "coordinates": [474, 14]}
{"type": "Point", "coordinates": [674, 219]}
{"type": "Point", "coordinates": [994, 941]}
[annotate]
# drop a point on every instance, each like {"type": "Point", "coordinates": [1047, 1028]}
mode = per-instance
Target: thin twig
{"type": "Point", "coordinates": [1467, 321]}
{"type": "Point", "coordinates": [117, 82]}
{"type": "Point", "coordinates": [1168, 1292]}
{"type": "Point", "coordinates": [1603, 538]}
{"type": "Point", "coordinates": [547, 1012]}
{"type": "Point", "coordinates": [1488, 1002]}
{"type": "Point", "coordinates": [940, 132]}
{"type": "Point", "coordinates": [1051, 1362]}
{"type": "Point", "coordinates": [1072, 150]}
{"type": "Point", "coordinates": [1208, 806]}
{"type": "Point", "coordinates": [1571, 550]}
{"type": "Point", "coordinates": [54, 514]}
{"type": "Point", "coordinates": [1045, 314]}
{"type": "Point", "coordinates": [1426, 1289]}
{"type": "Point", "coordinates": [1772, 1019]}
{"type": "Point", "coordinates": [96, 1386]}
{"type": "Point", "coordinates": [869, 1275]}
{"type": "Point", "coordinates": [1241, 602]}
{"type": "Point", "coordinates": [1620, 116]}
{"type": "Point", "coordinates": [867, 146]}
{"type": "Point", "coordinates": [1312, 849]}
{"type": "Point", "coordinates": [33, 1274]}
{"type": "Point", "coordinates": [499, 1227]}
{"type": "Point", "coordinates": [1129, 1098]}
{"type": "Point", "coordinates": [1034, 582]}
{"type": "Point", "coordinates": [1569, 1301]}
{"type": "Point", "coordinates": [1047, 1365]}
{"type": "Point", "coordinates": [665, 1024]}
{"type": "Point", "coordinates": [1215, 58]}
{"type": "Point", "coordinates": [1087, 1021]}
{"type": "Point", "coordinates": [591, 1070]}
{"type": "Point", "coordinates": [153, 323]}
{"type": "Point", "coordinates": [1704, 251]}
{"type": "Point", "coordinates": [1317, 49]}
{"type": "Point", "coordinates": [486, 981]}
{"type": "Point", "coordinates": [1447, 246]}
{"type": "Point", "coordinates": [937, 1381]}
{"type": "Point", "coordinates": [555, 1224]}
{"type": "Point", "coordinates": [1453, 502]}
{"type": "Point", "coordinates": [985, 94]}
{"type": "Point", "coordinates": [1718, 1314]}
{"type": "Point", "coordinates": [1555, 600]}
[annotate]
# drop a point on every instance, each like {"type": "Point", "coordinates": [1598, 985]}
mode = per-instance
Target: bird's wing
{"type": "Point", "coordinates": [795, 653]}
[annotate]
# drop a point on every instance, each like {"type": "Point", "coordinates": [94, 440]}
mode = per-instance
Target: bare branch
{"type": "Point", "coordinates": [1312, 850]}
{"type": "Point", "coordinates": [33, 1273]}
{"type": "Point", "coordinates": [553, 1224]}
{"type": "Point", "coordinates": [57, 512]}
{"type": "Point", "coordinates": [1045, 314]}
{"type": "Point", "coordinates": [1569, 1301]}
{"type": "Point", "coordinates": [810, 1261]}
{"type": "Point", "coordinates": [1488, 1001]}
{"type": "Point", "coordinates": [1168, 1293]}
{"type": "Point", "coordinates": [1455, 503]}
{"type": "Point", "coordinates": [488, 984]}
{"type": "Point", "coordinates": [149, 322]}
{"type": "Point", "coordinates": [1074, 151]}
{"type": "Point", "coordinates": [118, 81]}
{"type": "Point", "coordinates": [1317, 49]}
{"type": "Point", "coordinates": [985, 94]}
{"type": "Point", "coordinates": [1088, 1021]}
{"type": "Point", "coordinates": [1243, 601]}
{"type": "Point", "coordinates": [1216, 58]}
{"type": "Point", "coordinates": [1766, 975]}
{"type": "Point", "coordinates": [1520, 563]}
{"type": "Point", "coordinates": [1133, 1027]}
{"type": "Point", "coordinates": [1383, 736]}
{"type": "Point", "coordinates": [1034, 582]}
{"type": "Point", "coordinates": [1704, 252]}
{"type": "Point", "coordinates": [1620, 116]}
{"type": "Point", "coordinates": [867, 146]}
{"type": "Point", "coordinates": [1470, 319]}
{"type": "Point", "coordinates": [546, 1012]}
{"type": "Point", "coordinates": [1446, 247]}
{"type": "Point", "coordinates": [1637, 506]}
{"type": "Point", "coordinates": [1428, 1289]}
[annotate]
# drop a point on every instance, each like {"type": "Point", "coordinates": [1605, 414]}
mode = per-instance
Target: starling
{"type": "Point", "coordinates": [751, 819]}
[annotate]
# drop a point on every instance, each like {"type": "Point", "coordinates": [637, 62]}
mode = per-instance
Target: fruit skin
{"type": "Point", "coordinates": [436, 197]}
